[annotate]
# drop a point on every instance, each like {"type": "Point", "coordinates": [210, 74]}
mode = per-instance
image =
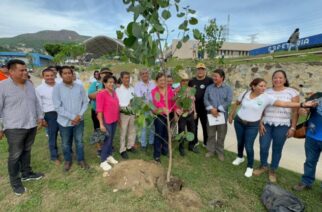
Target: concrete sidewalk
{"type": "Point", "coordinates": [293, 156]}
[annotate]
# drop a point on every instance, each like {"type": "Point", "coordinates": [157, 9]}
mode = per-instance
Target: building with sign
{"type": "Point", "coordinates": [303, 43]}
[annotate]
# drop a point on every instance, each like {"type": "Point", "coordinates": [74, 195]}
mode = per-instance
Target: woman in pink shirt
{"type": "Point", "coordinates": [108, 112]}
{"type": "Point", "coordinates": [160, 123]}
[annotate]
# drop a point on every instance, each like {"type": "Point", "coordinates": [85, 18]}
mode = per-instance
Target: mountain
{"type": "Point", "coordinates": [35, 41]}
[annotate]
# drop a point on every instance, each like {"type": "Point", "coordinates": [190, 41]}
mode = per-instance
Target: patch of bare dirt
{"type": "Point", "coordinates": [139, 175]}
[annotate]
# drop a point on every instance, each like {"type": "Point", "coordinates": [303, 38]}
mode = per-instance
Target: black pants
{"type": "Point", "coordinates": [202, 115]}
{"type": "Point", "coordinates": [19, 142]}
{"type": "Point", "coordinates": [96, 123]}
{"type": "Point", "coordinates": [188, 122]}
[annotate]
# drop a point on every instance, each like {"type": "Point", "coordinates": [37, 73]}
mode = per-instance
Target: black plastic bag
{"type": "Point", "coordinates": [279, 200]}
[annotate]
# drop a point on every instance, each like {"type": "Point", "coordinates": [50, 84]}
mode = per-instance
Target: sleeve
{"type": "Point", "coordinates": [58, 104]}
{"type": "Point", "coordinates": [294, 92]}
{"type": "Point", "coordinates": [99, 102]}
{"type": "Point", "coordinates": [84, 101]}
{"type": "Point", "coordinates": [39, 110]}
{"type": "Point", "coordinates": [206, 99]}
{"type": "Point", "coordinates": [39, 98]}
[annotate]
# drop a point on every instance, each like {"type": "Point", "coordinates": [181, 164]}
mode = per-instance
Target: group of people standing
{"type": "Point", "coordinates": [60, 106]}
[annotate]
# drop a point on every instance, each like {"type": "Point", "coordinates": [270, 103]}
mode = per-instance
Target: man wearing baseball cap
{"type": "Point", "coordinates": [200, 82]}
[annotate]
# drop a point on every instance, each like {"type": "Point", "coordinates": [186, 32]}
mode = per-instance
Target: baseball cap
{"type": "Point", "coordinates": [106, 70]}
{"type": "Point", "coordinates": [201, 65]}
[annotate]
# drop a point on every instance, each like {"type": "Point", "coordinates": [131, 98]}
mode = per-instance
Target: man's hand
{"type": "Point", "coordinates": [230, 119]}
{"type": "Point", "coordinates": [76, 120]}
{"type": "Point", "coordinates": [40, 124]}
{"type": "Point", "coordinates": [1, 134]}
{"type": "Point", "coordinates": [214, 112]}
{"type": "Point", "coordinates": [44, 123]}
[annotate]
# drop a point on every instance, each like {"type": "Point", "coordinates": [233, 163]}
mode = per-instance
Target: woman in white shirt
{"type": "Point", "coordinates": [252, 104]}
{"type": "Point", "coordinates": [277, 124]}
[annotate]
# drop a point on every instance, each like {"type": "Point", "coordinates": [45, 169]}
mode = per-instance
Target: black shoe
{"type": "Point", "coordinates": [83, 165]}
{"type": "Point", "coordinates": [133, 150]}
{"type": "Point", "coordinates": [157, 160]}
{"type": "Point", "coordinates": [19, 190]}
{"type": "Point", "coordinates": [32, 176]}
{"type": "Point", "coordinates": [124, 155]}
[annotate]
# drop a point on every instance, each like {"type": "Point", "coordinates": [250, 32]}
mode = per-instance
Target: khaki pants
{"type": "Point", "coordinates": [216, 138]}
{"type": "Point", "coordinates": [127, 129]}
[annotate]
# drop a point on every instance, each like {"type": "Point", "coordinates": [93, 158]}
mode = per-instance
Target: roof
{"type": "Point", "coordinates": [23, 54]}
{"type": "Point", "coordinates": [101, 45]}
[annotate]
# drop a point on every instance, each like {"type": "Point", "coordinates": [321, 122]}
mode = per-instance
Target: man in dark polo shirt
{"type": "Point", "coordinates": [200, 82]}
{"type": "Point", "coordinates": [20, 113]}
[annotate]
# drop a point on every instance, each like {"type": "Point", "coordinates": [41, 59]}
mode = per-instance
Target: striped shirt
{"type": "Point", "coordinates": [19, 107]}
{"type": "Point", "coordinates": [69, 101]}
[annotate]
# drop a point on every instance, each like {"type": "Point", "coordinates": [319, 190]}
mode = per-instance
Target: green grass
{"type": "Point", "coordinates": [81, 190]}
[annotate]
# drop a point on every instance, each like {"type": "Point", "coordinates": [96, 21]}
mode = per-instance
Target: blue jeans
{"type": "Point", "coordinates": [246, 133]}
{"type": "Point", "coordinates": [107, 147]}
{"type": "Point", "coordinates": [313, 149]}
{"type": "Point", "coordinates": [144, 132]}
{"type": "Point", "coordinates": [161, 136]}
{"type": "Point", "coordinates": [277, 134]}
{"type": "Point", "coordinates": [68, 134]}
{"type": "Point", "coordinates": [52, 131]}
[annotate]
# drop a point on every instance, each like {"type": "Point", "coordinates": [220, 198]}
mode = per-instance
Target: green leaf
{"type": "Point", "coordinates": [119, 34]}
{"type": "Point", "coordinates": [190, 136]}
{"type": "Point", "coordinates": [129, 41]}
{"type": "Point", "coordinates": [136, 30]}
{"type": "Point", "coordinates": [193, 21]}
{"type": "Point", "coordinates": [158, 27]}
{"type": "Point", "coordinates": [166, 14]}
{"type": "Point", "coordinates": [180, 15]}
{"type": "Point", "coordinates": [184, 25]}
{"type": "Point", "coordinates": [157, 96]}
{"type": "Point", "coordinates": [163, 3]}
{"type": "Point", "coordinates": [185, 38]}
{"type": "Point", "coordinates": [191, 11]}
{"type": "Point", "coordinates": [179, 45]}
{"type": "Point", "coordinates": [196, 34]}
{"type": "Point", "coordinates": [129, 28]}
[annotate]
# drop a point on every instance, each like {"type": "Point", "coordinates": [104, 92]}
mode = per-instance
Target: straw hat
{"type": "Point", "coordinates": [183, 75]}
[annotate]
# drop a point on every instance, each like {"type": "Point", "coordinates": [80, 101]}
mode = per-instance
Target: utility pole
{"type": "Point", "coordinates": [252, 37]}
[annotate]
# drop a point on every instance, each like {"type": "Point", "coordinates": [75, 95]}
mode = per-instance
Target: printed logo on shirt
{"type": "Point", "coordinates": [202, 86]}
{"type": "Point", "coordinates": [259, 102]}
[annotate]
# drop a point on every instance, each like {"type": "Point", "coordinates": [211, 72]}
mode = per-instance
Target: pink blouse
{"type": "Point", "coordinates": [108, 105]}
{"type": "Point", "coordinates": [161, 103]}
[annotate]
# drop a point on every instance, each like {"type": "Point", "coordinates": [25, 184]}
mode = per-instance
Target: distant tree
{"type": "Point", "coordinates": [69, 51]}
{"type": "Point", "coordinates": [53, 49]}
{"type": "Point", "coordinates": [214, 38]}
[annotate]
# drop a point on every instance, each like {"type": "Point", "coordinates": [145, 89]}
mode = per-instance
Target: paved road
{"type": "Point", "coordinates": [293, 156]}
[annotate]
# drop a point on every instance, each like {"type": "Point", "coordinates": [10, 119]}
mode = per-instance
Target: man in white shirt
{"type": "Point", "coordinates": [125, 94]}
{"type": "Point", "coordinates": [143, 89]}
{"type": "Point", "coordinates": [44, 94]}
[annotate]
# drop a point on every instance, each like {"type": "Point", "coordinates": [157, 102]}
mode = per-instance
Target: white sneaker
{"type": "Point", "coordinates": [249, 172]}
{"type": "Point", "coordinates": [238, 161]}
{"type": "Point", "coordinates": [111, 160]}
{"type": "Point", "coordinates": [105, 166]}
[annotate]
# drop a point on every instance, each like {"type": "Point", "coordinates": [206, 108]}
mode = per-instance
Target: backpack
{"type": "Point", "coordinates": [276, 199]}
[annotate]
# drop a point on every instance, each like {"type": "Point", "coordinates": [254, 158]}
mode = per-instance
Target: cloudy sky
{"type": "Point", "coordinates": [271, 20]}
